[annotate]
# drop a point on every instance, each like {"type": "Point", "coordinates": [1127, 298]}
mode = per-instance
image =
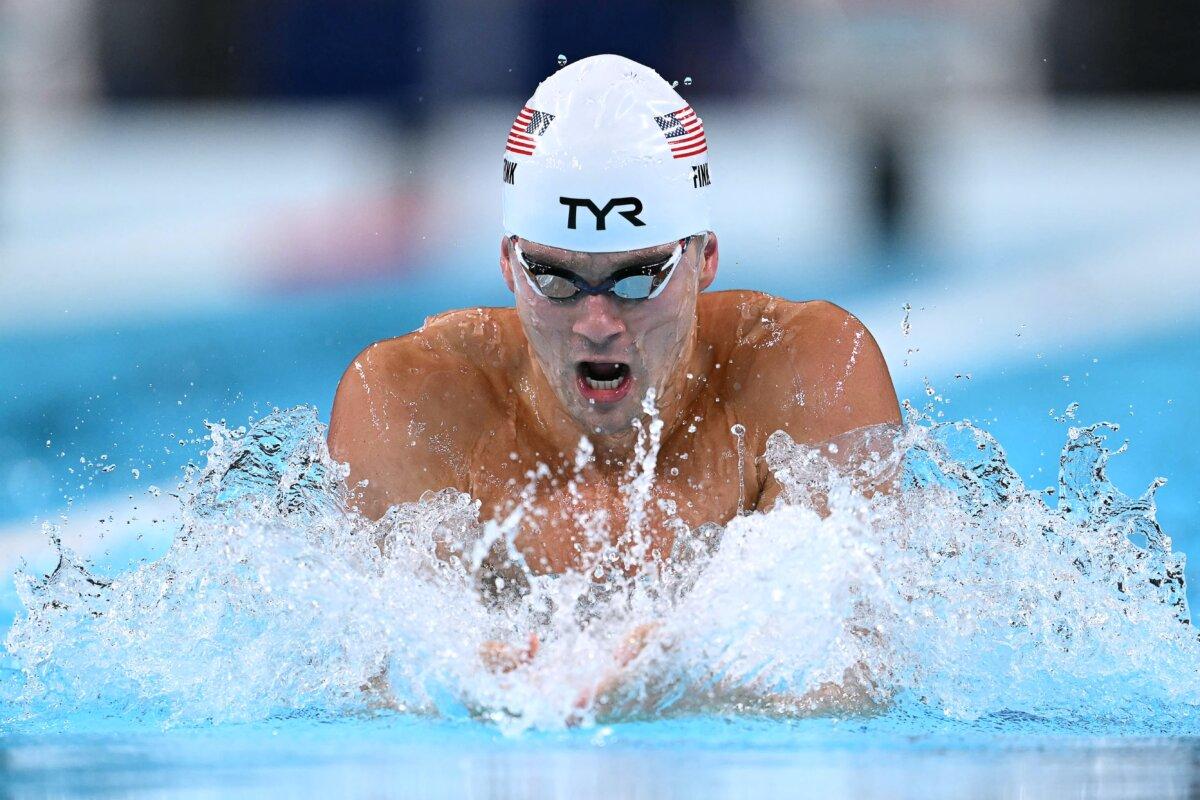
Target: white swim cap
{"type": "Point", "coordinates": [605, 156]}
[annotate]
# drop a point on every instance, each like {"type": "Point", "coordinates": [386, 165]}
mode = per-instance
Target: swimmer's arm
{"type": "Point", "coordinates": [844, 381]}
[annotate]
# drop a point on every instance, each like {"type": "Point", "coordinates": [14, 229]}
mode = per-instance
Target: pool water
{"type": "Point", "coordinates": [398, 757]}
{"type": "Point", "coordinates": [1147, 386]}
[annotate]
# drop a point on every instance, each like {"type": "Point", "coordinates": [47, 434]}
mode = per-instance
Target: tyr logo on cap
{"type": "Point", "coordinates": [573, 204]}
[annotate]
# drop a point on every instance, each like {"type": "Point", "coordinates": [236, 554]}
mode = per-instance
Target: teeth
{"type": "Point", "coordinates": [594, 384]}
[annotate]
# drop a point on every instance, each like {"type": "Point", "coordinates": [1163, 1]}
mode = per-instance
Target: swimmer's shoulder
{"type": "Point", "coordinates": [483, 336]}
{"type": "Point", "coordinates": [748, 321]}
{"type": "Point", "coordinates": [442, 378]}
{"type": "Point", "coordinates": [409, 410]}
{"type": "Point", "coordinates": [809, 367]}
{"type": "Point", "coordinates": [466, 345]}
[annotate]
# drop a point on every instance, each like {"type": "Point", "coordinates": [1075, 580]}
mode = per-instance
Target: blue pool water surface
{"type": "Point", "coordinates": [138, 396]}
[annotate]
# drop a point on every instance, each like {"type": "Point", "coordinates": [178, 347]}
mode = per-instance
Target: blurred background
{"type": "Point", "coordinates": [207, 207]}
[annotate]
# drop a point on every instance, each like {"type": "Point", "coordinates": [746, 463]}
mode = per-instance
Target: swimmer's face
{"type": "Point", "coordinates": [601, 353]}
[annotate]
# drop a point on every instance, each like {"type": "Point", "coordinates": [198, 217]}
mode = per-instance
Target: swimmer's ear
{"type": "Point", "coordinates": [505, 264]}
{"type": "Point", "coordinates": [710, 256]}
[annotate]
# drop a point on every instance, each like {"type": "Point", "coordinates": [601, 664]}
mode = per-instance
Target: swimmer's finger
{"type": "Point", "coordinates": [635, 643]}
{"type": "Point", "coordinates": [599, 693]}
{"type": "Point", "coordinates": [599, 697]}
{"type": "Point", "coordinates": [497, 656]}
{"type": "Point", "coordinates": [628, 649]}
{"type": "Point", "coordinates": [503, 657]}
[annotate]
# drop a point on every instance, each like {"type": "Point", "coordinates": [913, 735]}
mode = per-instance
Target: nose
{"type": "Point", "coordinates": [597, 321]}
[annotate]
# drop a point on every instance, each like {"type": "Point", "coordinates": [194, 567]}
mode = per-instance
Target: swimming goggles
{"type": "Point", "coordinates": [642, 282]}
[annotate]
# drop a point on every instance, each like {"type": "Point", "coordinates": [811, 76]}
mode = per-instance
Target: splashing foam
{"type": "Point", "coordinates": [960, 594]}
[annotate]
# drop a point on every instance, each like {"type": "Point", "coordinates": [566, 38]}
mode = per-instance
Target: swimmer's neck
{"type": "Point", "coordinates": [679, 393]}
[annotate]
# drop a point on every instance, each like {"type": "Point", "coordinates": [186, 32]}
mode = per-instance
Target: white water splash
{"type": "Point", "coordinates": [962, 594]}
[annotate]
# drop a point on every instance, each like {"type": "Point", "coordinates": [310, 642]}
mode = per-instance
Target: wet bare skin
{"type": "Point", "coordinates": [478, 397]}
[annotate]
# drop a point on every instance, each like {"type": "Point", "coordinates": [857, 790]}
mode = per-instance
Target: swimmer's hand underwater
{"type": "Point", "coordinates": [500, 657]}
{"type": "Point", "coordinates": [855, 694]}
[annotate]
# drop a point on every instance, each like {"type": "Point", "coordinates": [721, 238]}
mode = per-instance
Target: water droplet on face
{"type": "Point", "coordinates": [687, 81]}
{"type": "Point", "coordinates": [562, 60]}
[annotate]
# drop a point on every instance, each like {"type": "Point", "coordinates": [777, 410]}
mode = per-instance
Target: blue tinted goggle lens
{"type": "Point", "coordinates": [556, 284]}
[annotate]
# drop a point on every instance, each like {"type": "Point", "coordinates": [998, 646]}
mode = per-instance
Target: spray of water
{"type": "Point", "coordinates": [959, 593]}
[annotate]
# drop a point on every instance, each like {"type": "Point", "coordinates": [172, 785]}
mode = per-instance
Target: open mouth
{"type": "Point", "coordinates": [603, 381]}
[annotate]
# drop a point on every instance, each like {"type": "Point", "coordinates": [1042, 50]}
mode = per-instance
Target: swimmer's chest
{"type": "Point", "coordinates": [696, 480]}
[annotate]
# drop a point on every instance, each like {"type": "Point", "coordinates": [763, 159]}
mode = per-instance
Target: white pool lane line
{"type": "Point", "coordinates": [1149, 286]}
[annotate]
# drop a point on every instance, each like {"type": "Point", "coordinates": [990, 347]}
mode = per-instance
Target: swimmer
{"type": "Point", "coordinates": [608, 250]}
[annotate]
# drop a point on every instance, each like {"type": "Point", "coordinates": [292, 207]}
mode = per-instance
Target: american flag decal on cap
{"type": "Point", "coordinates": [684, 132]}
{"type": "Point", "coordinates": [525, 130]}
